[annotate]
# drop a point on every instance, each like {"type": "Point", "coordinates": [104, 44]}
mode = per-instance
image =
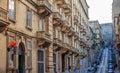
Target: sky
{"type": "Point", "coordinates": [100, 10]}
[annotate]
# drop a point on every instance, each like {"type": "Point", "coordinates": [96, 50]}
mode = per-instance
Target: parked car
{"type": "Point", "coordinates": [92, 69]}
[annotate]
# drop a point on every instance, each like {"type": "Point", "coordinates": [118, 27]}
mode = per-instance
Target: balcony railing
{"type": "Point", "coordinates": [44, 7]}
{"type": "Point", "coordinates": [43, 37]}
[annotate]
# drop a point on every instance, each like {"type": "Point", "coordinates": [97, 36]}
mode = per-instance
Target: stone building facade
{"type": "Point", "coordinates": [50, 35]}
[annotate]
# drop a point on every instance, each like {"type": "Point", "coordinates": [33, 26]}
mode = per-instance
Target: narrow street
{"type": "Point", "coordinates": [102, 68]}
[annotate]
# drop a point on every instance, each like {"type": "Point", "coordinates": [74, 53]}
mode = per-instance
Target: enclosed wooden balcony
{"type": "Point", "coordinates": [44, 39]}
{"type": "Point", "coordinates": [44, 7]}
{"type": "Point", "coordinates": [3, 19]}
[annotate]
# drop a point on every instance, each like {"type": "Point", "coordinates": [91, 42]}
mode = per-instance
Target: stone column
{"type": "Point", "coordinates": [49, 59]}
{"type": "Point", "coordinates": [59, 63]}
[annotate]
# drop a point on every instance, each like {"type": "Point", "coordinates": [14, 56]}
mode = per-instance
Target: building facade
{"type": "Point", "coordinates": [116, 29]}
{"type": "Point", "coordinates": [50, 35]}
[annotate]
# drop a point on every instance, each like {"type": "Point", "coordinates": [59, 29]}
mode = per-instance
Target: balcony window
{"type": "Point", "coordinates": [41, 24]}
{"type": "Point", "coordinates": [12, 9]}
{"type": "Point", "coordinates": [28, 18]}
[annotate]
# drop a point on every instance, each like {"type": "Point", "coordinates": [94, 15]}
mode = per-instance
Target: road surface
{"type": "Point", "coordinates": [102, 68]}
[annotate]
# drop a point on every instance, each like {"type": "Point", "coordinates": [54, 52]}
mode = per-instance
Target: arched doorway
{"type": "Point", "coordinates": [21, 58]}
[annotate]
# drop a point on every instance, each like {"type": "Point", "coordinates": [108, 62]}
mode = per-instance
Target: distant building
{"type": "Point", "coordinates": [95, 39]}
{"type": "Point", "coordinates": [96, 29]}
{"type": "Point", "coordinates": [107, 32]}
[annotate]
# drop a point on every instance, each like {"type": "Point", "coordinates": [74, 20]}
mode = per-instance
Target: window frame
{"type": "Point", "coordinates": [29, 49]}
{"type": "Point", "coordinates": [56, 53]}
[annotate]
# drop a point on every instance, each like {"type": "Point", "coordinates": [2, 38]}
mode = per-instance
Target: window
{"type": "Point", "coordinates": [41, 25]}
{"type": "Point", "coordinates": [40, 61]}
{"type": "Point", "coordinates": [29, 56]}
{"type": "Point", "coordinates": [12, 9]}
{"type": "Point", "coordinates": [54, 62]}
{"type": "Point", "coordinates": [28, 18]}
{"type": "Point", "coordinates": [10, 54]}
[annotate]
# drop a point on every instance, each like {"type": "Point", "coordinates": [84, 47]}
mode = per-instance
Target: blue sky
{"type": "Point", "coordinates": [100, 10]}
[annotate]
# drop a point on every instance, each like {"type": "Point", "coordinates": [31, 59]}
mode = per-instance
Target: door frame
{"type": "Point", "coordinates": [41, 49]}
